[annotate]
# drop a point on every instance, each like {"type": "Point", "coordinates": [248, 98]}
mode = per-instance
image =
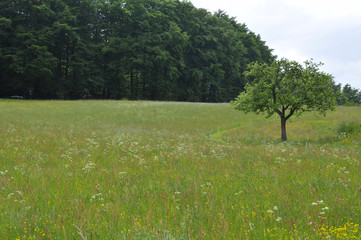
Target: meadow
{"type": "Point", "coordinates": [163, 170]}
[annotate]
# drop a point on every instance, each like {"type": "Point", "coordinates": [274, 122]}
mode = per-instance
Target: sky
{"type": "Point", "coordinates": [327, 31]}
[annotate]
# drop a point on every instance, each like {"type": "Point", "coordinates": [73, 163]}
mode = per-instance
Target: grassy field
{"type": "Point", "coordinates": [157, 170]}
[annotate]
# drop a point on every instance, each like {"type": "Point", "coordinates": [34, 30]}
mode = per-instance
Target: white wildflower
{"type": "Point", "coordinates": [19, 192]}
{"type": "Point", "coordinates": [251, 225]}
{"type": "Point", "coordinates": [90, 165]}
{"type": "Point", "coordinates": [238, 193]}
{"type": "Point", "coordinates": [325, 208]}
{"type": "Point", "coordinates": [96, 196]}
{"type": "Point", "coordinates": [10, 195]}
{"type": "Point", "coordinates": [278, 219]}
{"type": "Point", "coordinates": [269, 211]}
{"type": "Point", "coordinates": [275, 208]}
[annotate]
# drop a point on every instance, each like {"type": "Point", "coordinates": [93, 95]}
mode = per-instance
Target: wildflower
{"type": "Point", "coordinates": [251, 225]}
{"type": "Point", "coordinates": [322, 213]}
{"type": "Point", "coordinates": [19, 192]}
{"type": "Point", "coordinates": [9, 195]}
{"type": "Point", "coordinates": [177, 193]}
{"type": "Point", "coordinates": [325, 208]}
{"type": "Point", "coordinates": [314, 204]}
{"type": "Point", "coordinates": [320, 202]}
{"type": "Point", "coordinates": [269, 211]}
{"type": "Point", "coordinates": [88, 166]}
{"type": "Point", "coordinates": [94, 197]}
{"type": "Point", "coordinates": [275, 208]}
{"type": "Point", "coordinates": [278, 219]}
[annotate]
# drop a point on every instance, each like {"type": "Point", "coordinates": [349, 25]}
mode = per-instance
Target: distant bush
{"type": "Point", "coordinates": [351, 104]}
{"type": "Point", "coordinates": [345, 129]}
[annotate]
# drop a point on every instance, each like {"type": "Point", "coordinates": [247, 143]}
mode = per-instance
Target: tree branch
{"type": "Point", "coordinates": [279, 112]}
{"type": "Point", "coordinates": [291, 113]}
{"type": "Point", "coordinates": [274, 95]}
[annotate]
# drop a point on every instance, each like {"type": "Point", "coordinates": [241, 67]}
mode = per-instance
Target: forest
{"type": "Point", "coordinates": [123, 49]}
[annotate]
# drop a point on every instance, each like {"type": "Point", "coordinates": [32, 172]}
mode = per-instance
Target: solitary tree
{"type": "Point", "coordinates": [286, 88]}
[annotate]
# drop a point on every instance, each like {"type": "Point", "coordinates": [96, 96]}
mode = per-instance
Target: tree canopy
{"type": "Point", "coordinates": [351, 95]}
{"type": "Point", "coordinates": [286, 88]}
{"type": "Point", "coordinates": [114, 49]}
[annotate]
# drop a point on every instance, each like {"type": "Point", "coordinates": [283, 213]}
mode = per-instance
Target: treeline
{"type": "Point", "coordinates": [115, 49]}
{"type": "Point", "coordinates": [348, 95]}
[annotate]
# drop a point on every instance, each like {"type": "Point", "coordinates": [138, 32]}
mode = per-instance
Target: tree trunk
{"type": "Point", "coordinates": [131, 85]}
{"type": "Point", "coordinates": [283, 128]}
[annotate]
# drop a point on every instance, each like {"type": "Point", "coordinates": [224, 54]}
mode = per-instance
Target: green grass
{"type": "Point", "coordinates": [158, 170]}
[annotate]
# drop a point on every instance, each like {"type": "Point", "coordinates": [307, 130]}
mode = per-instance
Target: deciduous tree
{"type": "Point", "coordinates": [286, 88]}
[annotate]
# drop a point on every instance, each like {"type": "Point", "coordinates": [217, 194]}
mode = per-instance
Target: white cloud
{"type": "Point", "coordinates": [349, 71]}
{"type": "Point", "coordinates": [329, 9]}
{"type": "Point", "coordinates": [327, 31]}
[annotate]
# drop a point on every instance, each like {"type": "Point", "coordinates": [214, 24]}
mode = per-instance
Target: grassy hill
{"type": "Point", "coordinates": [162, 170]}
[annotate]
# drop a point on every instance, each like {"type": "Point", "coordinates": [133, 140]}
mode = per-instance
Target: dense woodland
{"type": "Point", "coordinates": [117, 49]}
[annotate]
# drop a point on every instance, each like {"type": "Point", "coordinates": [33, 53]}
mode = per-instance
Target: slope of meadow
{"type": "Point", "coordinates": [159, 170]}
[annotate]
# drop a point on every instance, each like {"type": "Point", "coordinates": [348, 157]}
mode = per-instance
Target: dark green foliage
{"type": "Point", "coordinates": [346, 129]}
{"type": "Point", "coordinates": [135, 49]}
{"type": "Point", "coordinates": [352, 96]}
{"type": "Point", "coordinates": [347, 95]}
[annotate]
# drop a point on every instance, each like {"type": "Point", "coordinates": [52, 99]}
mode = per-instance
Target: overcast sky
{"type": "Point", "coordinates": [327, 31]}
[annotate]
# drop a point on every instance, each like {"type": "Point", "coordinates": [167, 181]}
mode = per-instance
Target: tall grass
{"type": "Point", "coordinates": [157, 170]}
